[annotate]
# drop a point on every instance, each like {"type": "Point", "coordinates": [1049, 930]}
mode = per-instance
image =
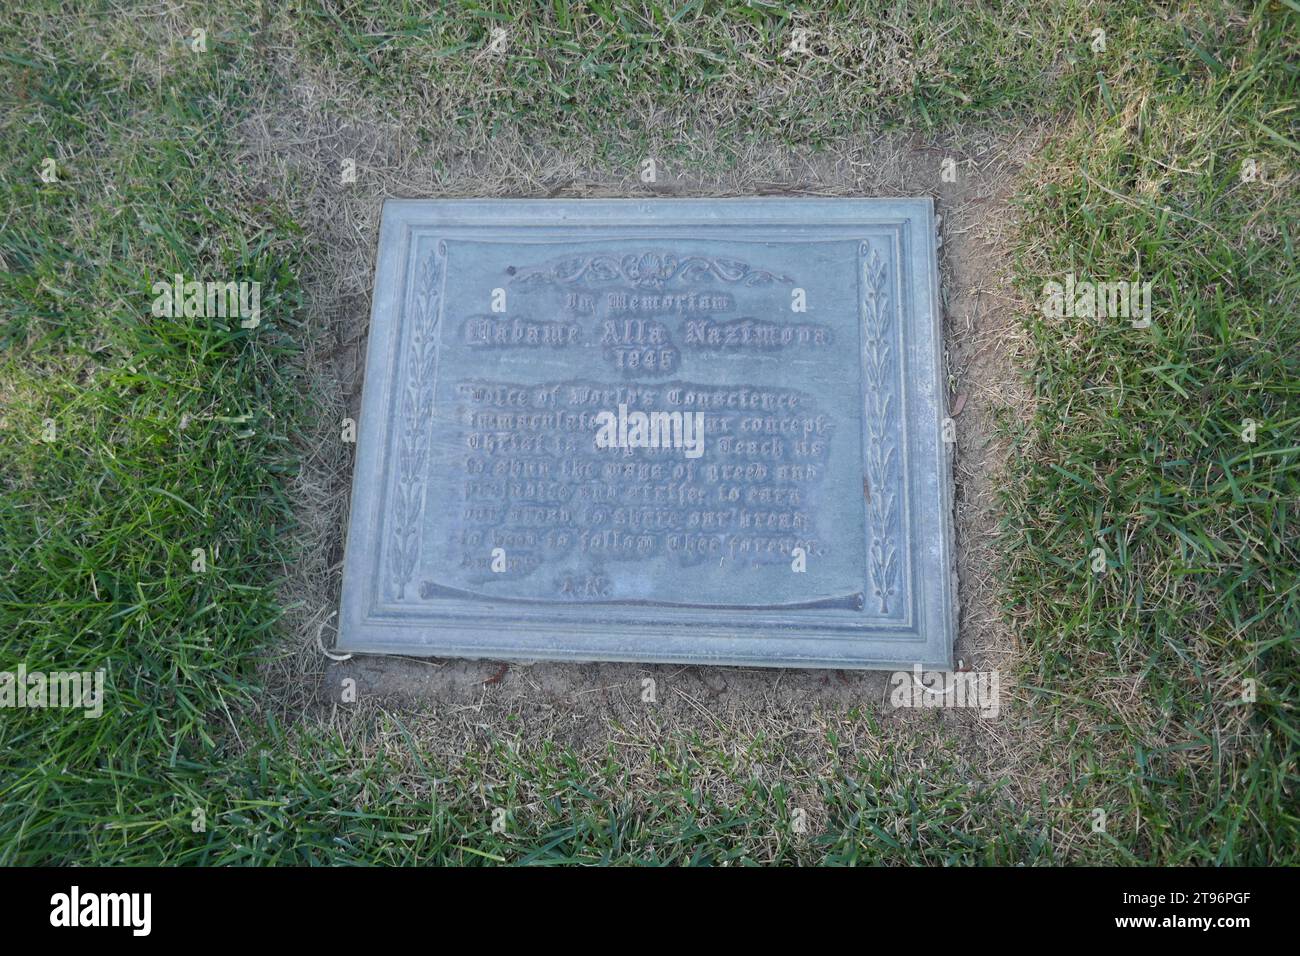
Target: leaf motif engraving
{"type": "Point", "coordinates": [651, 269]}
{"type": "Point", "coordinates": [878, 409]}
{"type": "Point", "coordinates": [416, 412]}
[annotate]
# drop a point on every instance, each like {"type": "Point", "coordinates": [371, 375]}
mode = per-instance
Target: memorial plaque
{"type": "Point", "coordinates": [704, 431]}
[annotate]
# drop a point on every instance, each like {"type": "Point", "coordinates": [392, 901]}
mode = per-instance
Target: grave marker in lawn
{"type": "Point", "coordinates": [704, 431]}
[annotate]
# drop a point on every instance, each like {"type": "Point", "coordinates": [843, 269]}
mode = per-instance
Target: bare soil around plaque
{"type": "Point", "coordinates": [587, 706]}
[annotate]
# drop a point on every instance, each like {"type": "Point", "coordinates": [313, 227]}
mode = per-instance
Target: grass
{"type": "Point", "coordinates": [569, 67]}
{"type": "Point", "coordinates": [172, 435]}
{"type": "Point", "coordinates": [1137, 445]}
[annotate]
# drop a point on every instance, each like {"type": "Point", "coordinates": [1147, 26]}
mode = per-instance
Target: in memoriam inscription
{"type": "Point", "coordinates": [701, 431]}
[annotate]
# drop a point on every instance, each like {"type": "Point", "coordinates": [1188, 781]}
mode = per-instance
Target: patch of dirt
{"type": "Point", "coordinates": [298, 147]}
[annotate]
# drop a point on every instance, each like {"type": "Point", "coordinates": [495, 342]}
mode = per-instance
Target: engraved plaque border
{"type": "Point", "coordinates": [908, 579]}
